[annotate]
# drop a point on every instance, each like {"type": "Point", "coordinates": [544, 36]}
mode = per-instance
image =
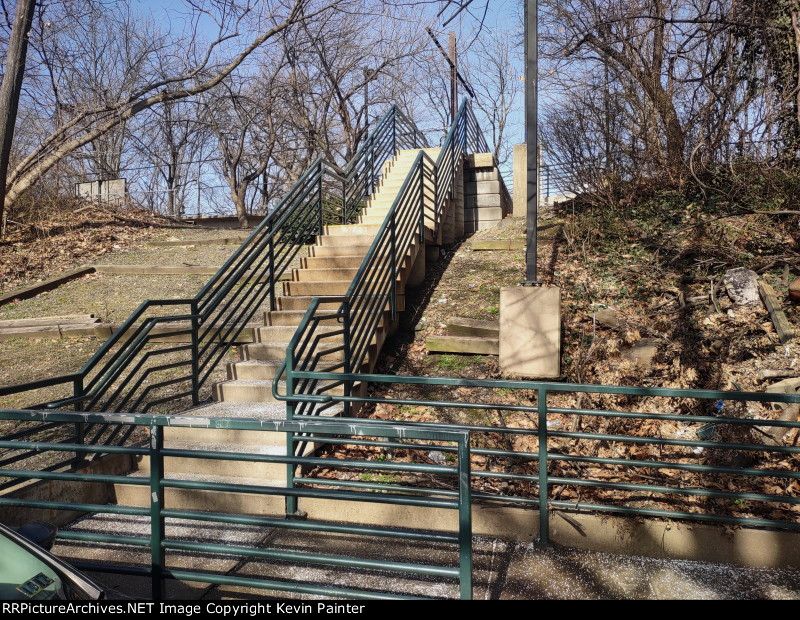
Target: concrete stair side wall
{"type": "Point", "coordinates": [486, 198]}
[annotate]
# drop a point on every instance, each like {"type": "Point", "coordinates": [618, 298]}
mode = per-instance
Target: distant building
{"type": "Point", "coordinates": [108, 191]}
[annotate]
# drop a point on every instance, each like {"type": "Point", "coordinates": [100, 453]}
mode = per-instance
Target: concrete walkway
{"type": "Point", "coordinates": [502, 570]}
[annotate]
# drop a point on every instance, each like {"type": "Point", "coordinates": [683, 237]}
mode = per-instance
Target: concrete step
{"type": "Point", "coordinates": [325, 275]}
{"type": "Point", "coordinates": [332, 262]}
{"type": "Point", "coordinates": [315, 288]}
{"type": "Point", "coordinates": [345, 241]}
{"type": "Point", "coordinates": [351, 229]}
{"type": "Point", "coordinates": [342, 250]}
{"type": "Point", "coordinates": [284, 333]}
{"type": "Point", "coordinates": [209, 501]}
{"type": "Point", "coordinates": [302, 302]}
{"type": "Point", "coordinates": [288, 317]}
{"type": "Point", "coordinates": [217, 467]}
{"type": "Point", "coordinates": [250, 391]}
{"type": "Point", "coordinates": [253, 411]}
{"type": "Point", "coordinates": [276, 352]}
{"type": "Point", "coordinates": [252, 370]}
{"type": "Point", "coordinates": [245, 391]}
{"type": "Point", "coordinates": [264, 352]}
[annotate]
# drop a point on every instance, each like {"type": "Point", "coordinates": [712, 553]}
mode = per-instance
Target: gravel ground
{"type": "Point", "coordinates": [502, 570]}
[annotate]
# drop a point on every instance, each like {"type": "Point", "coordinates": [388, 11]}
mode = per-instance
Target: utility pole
{"type": "Point", "coordinates": [366, 101]}
{"type": "Point", "coordinates": [532, 137]}
{"type": "Point", "coordinates": [453, 78]}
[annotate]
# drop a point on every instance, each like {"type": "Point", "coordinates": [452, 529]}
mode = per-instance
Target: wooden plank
{"type": "Point", "coordinates": [779, 320]}
{"type": "Point", "coordinates": [462, 344]}
{"type": "Point", "coordinates": [190, 242]}
{"type": "Point", "coordinates": [45, 321]}
{"type": "Point", "coordinates": [47, 285]}
{"type": "Point", "coordinates": [458, 326]}
{"type": "Point", "coordinates": [154, 270]}
{"type": "Point", "coordinates": [56, 331]}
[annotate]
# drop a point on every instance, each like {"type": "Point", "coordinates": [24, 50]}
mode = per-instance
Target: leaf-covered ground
{"type": "Point", "coordinates": [656, 271]}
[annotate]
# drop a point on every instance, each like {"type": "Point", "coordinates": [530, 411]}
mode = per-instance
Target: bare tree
{"type": "Point", "coordinates": [205, 65]}
{"type": "Point", "coordinates": [11, 88]}
{"type": "Point", "coordinates": [681, 78]}
{"type": "Point", "coordinates": [236, 116]}
{"type": "Point", "coordinates": [171, 137]}
{"type": "Point", "coordinates": [494, 77]}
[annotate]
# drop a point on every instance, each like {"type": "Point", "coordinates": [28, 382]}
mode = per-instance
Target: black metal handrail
{"type": "Point", "coordinates": [138, 368]}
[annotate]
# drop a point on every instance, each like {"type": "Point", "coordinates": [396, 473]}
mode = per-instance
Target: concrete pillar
{"type": "Point", "coordinates": [458, 202]}
{"type": "Point", "coordinates": [449, 223]}
{"type": "Point", "coordinates": [520, 180]}
{"type": "Point", "coordinates": [432, 254]}
{"type": "Point", "coordinates": [530, 331]}
{"type": "Point", "coordinates": [417, 274]}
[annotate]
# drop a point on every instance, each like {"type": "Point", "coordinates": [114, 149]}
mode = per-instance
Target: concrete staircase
{"type": "Point", "coordinates": [328, 269]}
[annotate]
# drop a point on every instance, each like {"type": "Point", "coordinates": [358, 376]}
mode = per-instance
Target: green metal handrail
{"type": "Point", "coordinates": [158, 480]}
{"type": "Point", "coordinates": [136, 370]}
{"type": "Point", "coordinates": [544, 455]}
{"type": "Point", "coordinates": [372, 295]}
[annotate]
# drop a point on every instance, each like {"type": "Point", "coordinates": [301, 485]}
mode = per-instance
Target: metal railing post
{"type": "Point", "coordinates": [344, 201]}
{"type": "Point", "coordinates": [156, 507]}
{"type": "Point", "coordinates": [544, 515]}
{"type": "Point", "coordinates": [319, 191]}
{"type": "Point", "coordinates": [371, 173]}
{"type": "Point", "coordinates": [394, 130]}
{"type": "Point", "coordinates": [393, 261]}
{"type": "Point", "coordinates": [80, 427]}
{"type": "Point", "coordinates": [421, 206]}
{"type": "Point", "coordinates": [273, 306]}
{"type": "Point", "coordinates": [291, 501]}
{"type": "Point", "coordinates": [195, 353]}
{"type": "Point", "coordinates": [348, 359]}
{"type": "Point", "coordinates": [464, 519]}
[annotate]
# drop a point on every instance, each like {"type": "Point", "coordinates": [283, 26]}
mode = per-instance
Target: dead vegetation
{"type": "Point", "coordinates": [59, 238]}
{"type": "Point", "coordinates": [630, 280]}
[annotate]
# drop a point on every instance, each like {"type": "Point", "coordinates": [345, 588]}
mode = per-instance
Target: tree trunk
{"type": "Point", "coordinates": [796, 29]}
{"type": "Point", "coordinates": [10, 90]}
{"type": "Point", "coordinates": [238, 198]}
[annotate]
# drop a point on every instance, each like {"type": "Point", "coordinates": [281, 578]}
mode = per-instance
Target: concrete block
{"type": "Point", "coordinates": [520, 180]}
{"type": "Point", "coordinates": [472, 188]}
{"type": "Point", "coordinates": [530, 331]}
{"type": "Point", "coordinates": [481, 160]}
{"type": "Point", "coordinates": [483, 214]}
{"type": "Point", "coordinates": [484, 200]}
{"type": "Point", "coordinates": [482, 175]}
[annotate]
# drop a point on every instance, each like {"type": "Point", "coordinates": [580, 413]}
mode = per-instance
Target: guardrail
{"type": "Point", "coordinates": [721, 463]}
{"type": "Point", "coordinates": [139, 367]}
{"type": "Point", "coordinates": [158, 481]}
